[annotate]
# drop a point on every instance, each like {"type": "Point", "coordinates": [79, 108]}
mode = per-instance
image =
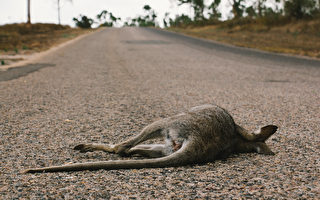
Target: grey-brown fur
{"type": "Point", "coordinates": [203, 134]}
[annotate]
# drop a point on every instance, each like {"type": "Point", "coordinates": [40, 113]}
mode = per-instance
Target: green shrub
{"type": "Point", "coordinates": [300, 8]}
{"type": "Point", "coordinates": [83, 21]}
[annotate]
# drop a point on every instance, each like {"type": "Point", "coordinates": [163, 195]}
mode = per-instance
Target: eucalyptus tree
{"type": "Point", "coordinates": [215, 13]}
{"type": "Point", "coordinates": [301, 8]}
{"type": "Point", "coordinates": [106, 18]}
{"type": "Point", "coordinates": [148, 19]}
{"type": "Point", "coordinates": [198, 7]}
{"type": "Point", "coordinates": [238, 8]}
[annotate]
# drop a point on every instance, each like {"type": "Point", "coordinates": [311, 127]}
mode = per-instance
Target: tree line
{"type": "Point", "coordinates": [271, 11]}
{"type": "Point", "coordinates": [209, 12]}
{"type": "Point", "coordinates": [107, 19]}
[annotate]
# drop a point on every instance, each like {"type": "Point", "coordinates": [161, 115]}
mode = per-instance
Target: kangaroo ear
{"type": "Point", "coordinates": [265, 132]}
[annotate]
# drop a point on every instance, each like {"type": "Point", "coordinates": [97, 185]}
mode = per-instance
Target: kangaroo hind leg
{"type": "Point", "coordinates": [148, 150]}
{"type": "Point", "coordinates": [94, 147]}
{"type": "Point", "coordinates": [151, 131]}
{"type": "Point", "coordinates": [154, 130]}
{"type": "Point", "coordinates": [145, 150]}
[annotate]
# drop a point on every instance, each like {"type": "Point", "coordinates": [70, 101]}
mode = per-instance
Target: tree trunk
{"type": "Point", "coordinates": [259, 8]}
{"type": "Point", "coordinates": [59, 12]}
{"type": "Point", "coordinates": [29, 18]}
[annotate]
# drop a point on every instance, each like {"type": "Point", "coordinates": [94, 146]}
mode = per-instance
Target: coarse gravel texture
{"type": "Point", "coordinates": [109, 85]}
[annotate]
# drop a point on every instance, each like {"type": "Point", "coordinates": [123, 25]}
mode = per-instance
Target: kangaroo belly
{"type": "Point", "coordinates": [211, 129]}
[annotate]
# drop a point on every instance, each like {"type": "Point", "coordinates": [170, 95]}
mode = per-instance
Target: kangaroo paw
{"type": "Point", "coordinates": [84, 148]}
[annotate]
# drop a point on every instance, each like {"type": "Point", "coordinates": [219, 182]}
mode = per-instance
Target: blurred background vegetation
{"type": "Point", "coordinates": [208, 12]}
{"type": "Point", "coordinates": [284, 26]}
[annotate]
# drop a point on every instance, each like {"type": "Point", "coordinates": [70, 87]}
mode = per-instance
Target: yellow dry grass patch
{"type": "Point", "coordinates": [299, 38]}
{"type": "Point", "coordinates": [29, 38]}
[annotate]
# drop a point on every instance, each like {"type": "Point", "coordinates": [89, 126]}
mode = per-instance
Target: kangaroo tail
{"type": "Point", "coordinates": [176, 159]}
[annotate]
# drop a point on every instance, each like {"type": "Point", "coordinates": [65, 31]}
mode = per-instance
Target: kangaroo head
{"type": "Point", "coordinates": [255, 142]}
{"type": "Point", "coordinates": [262, 135]}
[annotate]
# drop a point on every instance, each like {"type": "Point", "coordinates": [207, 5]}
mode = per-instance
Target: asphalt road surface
{"type": "Point", "coordinates": [110, 84]}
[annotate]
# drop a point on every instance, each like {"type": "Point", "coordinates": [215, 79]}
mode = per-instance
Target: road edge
{"type": "Point", "coordinates": [281, 57]}
{"type": "Point", "coordinates": [39, 55]}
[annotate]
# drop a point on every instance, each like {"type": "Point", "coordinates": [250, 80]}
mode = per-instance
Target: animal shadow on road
{"type": "Point", "coordinates": [17, 72]}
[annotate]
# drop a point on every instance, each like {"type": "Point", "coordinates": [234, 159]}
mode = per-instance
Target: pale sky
{"type": "Point", "coordinates": [45, 11]}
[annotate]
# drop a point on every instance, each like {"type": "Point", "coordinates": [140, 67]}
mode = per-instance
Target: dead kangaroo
{"type": "Point", "coordinates": [203, 134]}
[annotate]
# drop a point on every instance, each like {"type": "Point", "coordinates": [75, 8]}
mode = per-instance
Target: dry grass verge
{"type": "Point", "coordinates": [18, 40]}
{"type": "Point", "coordinates": [299, 38]}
